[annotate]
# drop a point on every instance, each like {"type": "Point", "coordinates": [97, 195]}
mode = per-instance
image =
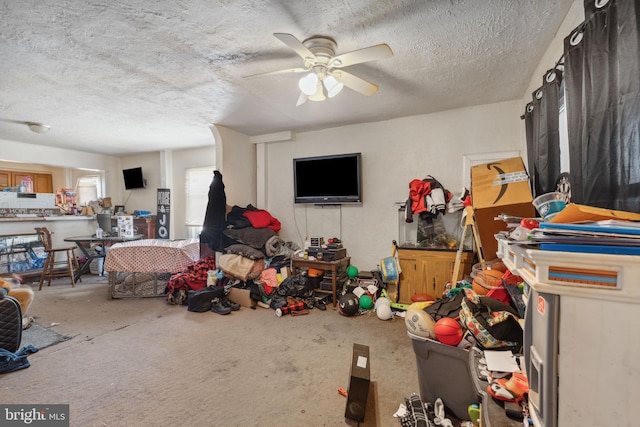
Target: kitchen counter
{"type": "Point", "coordinates": [61, 226]}
{"type": "Point", "coordinates": [48, 218]}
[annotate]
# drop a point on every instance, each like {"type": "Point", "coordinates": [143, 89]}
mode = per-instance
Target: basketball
{"type": "Point", "coordinates": [448, 331]}
{"type": "Point", "coordinates": [419, 322]}
{"type": "Point", "coordinates": [348, 304]}
{"type": "Point", "coordinates": [486, 280]}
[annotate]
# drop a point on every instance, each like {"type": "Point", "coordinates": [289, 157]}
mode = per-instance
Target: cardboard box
{"type": "Point", "coordinates": [359, 381]}
{"type": "Point", "coordinates": [242, 297]}
{"type": "Point", "coordinates": [500, 187]}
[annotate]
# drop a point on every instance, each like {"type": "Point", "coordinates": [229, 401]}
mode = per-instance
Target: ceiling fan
{"type": "Point", "coordinates": [34, 126]}
{"type": "Point", "coordinates": [325, 76]}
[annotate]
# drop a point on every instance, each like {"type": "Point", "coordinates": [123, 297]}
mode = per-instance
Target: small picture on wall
{"type": "Point", "coordinates": [119, 209]}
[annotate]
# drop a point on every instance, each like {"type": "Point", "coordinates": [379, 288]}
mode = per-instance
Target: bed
{"type": "Point", "coordinates": [142, 268]}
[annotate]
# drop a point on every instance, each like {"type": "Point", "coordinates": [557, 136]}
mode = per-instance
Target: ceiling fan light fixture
{"type": "Point", "coordinates": [318, 95]}
{"type": "Point", "coordinates": [333, 86]}
{"type": "Point", "coordinates": [309, 84]}
{"type": "Point", "coordinates": [38, 127]}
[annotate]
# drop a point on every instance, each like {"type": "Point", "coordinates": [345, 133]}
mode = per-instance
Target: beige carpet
{"type": "Point", "coordinates": [143, 362]}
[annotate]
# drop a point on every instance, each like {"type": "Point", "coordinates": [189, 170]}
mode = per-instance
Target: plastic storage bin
{"type": "Point", "coordinates": [443, 372]}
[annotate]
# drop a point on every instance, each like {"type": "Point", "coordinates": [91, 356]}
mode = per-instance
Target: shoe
{"type": "Point", "coordinates": [226, 302]}
{"type": "Point", "coordinates": [218, 307]}
{"type": "Point", "coordinates": [509, 389]}
{"type": "Point", "coordinates": [26, 322]}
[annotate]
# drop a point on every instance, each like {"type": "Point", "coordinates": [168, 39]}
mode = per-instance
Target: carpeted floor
{"type": "Point", "coordinates": [143, 362]}
{"type": "Point", "coordinates": [41, 337]}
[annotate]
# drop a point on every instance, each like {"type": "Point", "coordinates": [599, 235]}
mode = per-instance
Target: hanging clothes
{"type": "Point", "coordinates": [215, 215]}
{"type": "Point", "coordinates": [427, 198]}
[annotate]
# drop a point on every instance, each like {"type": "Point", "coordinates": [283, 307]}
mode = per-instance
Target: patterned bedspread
{"type": "Point", "coordinates": [152, 255]}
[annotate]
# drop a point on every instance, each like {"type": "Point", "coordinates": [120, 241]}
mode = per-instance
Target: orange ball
{"type": "Point", "coordinates": [448, 331]}
{"type": "Point", "coordinates": [486, 280]}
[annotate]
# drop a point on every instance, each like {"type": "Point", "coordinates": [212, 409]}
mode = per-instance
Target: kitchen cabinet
{"type": "Point", "coordinates": [42, 182]}
{"type": "Point", "coordinates": [5, 179]}
{"type": "Point", "coordinates": [427, 271]}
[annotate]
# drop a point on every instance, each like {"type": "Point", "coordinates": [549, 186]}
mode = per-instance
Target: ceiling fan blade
{"type": "Point", "coordinates": [36, 127]}
{"type": "Point", "coordinates": [20, 122]}
{"type": "Point", "coordinates": [271, 73]}
{"type": "Point", "coordinates": [301, 99]}
{"type": "Point", "coordinates": [355, 83]}
{"type": "Point", "coordinates": [359, 56]}
{"type": "Point", "coordinates": [296, 45]}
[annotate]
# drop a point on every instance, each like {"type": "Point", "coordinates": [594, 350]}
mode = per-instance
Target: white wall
{"type": "Point", "coordinates": [237, 164]}
{"type": "Point", "coordinates": [574, 17]}
{"type": "Point", "coordinates": [141, 198]}
{"type": "Point", "coordinates": [393, 153]}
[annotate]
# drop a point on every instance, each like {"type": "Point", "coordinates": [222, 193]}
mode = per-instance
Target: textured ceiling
{"type": "Point", "coordinates": [119, 77]}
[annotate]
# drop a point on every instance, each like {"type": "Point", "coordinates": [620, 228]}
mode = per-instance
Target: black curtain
{"type": "Point", "coordinates": [602, 82]}
{"type": "Point", "coordinates": [543, 134]}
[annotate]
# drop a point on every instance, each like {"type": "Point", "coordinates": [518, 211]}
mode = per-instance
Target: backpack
{"type": "Point", "coordinates": [492, 323]}
{"type": "Point", "coordinates": [10, 322]}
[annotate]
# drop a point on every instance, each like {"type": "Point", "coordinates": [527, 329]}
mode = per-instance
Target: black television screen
{"type": "Point", "coordinates": [332, 179]}
{"type": "Point", "coordinates": [133, 178]}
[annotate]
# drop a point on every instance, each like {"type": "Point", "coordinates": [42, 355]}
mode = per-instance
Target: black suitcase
{"type": "Point", "coordinates": [10, 322]}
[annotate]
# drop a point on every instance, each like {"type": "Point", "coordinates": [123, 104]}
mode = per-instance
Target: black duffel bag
{"type": "Point", "coordinates": [200, 301]}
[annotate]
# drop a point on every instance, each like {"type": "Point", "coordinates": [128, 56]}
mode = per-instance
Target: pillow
{"type": "Point", "coordinates": [244, 250]}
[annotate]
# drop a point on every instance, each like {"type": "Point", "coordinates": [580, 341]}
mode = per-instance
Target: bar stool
{"type": "Point", "coordinates": [49, 271]}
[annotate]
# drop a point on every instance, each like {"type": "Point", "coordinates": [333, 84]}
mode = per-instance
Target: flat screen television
{"type": "Point", "coordinates": [334, 179]}
{"type": "Point", "coordinates": [133, 178]}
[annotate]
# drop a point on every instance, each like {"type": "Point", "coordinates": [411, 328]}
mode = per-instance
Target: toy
{"type": "Point", "coordinates": [366, 303]}
{"type": "Point", "coordinates": [420, 323]}
{"type": "Point", "coordinates": [348, 304]}
{"type": "Point", "coordinates": [422, 298]}
{"type": "Point", "coordinates": [352, 271]}
{"type": "Point", "coordinates": [384, 312]}
{"type": "Point", "coordinates": [448, 331]}
{"type": "Point", "coordinates": [486, 280]}
{"type": "Point", "coordinates": [382, 301]}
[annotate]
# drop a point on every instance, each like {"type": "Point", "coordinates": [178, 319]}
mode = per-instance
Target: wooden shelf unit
{"type": "Point", "coordinates": [428, 271]}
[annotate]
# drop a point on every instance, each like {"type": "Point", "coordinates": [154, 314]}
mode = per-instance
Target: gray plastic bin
{"type": "Point", "coordinates": [443, 372]}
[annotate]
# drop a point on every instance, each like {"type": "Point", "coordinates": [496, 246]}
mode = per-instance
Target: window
{"type": "Point", "coordinates": [89, 188]}
{"type": "Point", "coordinates": [197, 182]}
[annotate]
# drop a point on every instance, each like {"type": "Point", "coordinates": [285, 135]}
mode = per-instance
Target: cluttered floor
{"type": "Point", "coordinates": [144, 362]}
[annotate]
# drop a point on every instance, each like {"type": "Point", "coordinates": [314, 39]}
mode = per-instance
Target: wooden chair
{"type": "Point", "coordinates": [71, 265]}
